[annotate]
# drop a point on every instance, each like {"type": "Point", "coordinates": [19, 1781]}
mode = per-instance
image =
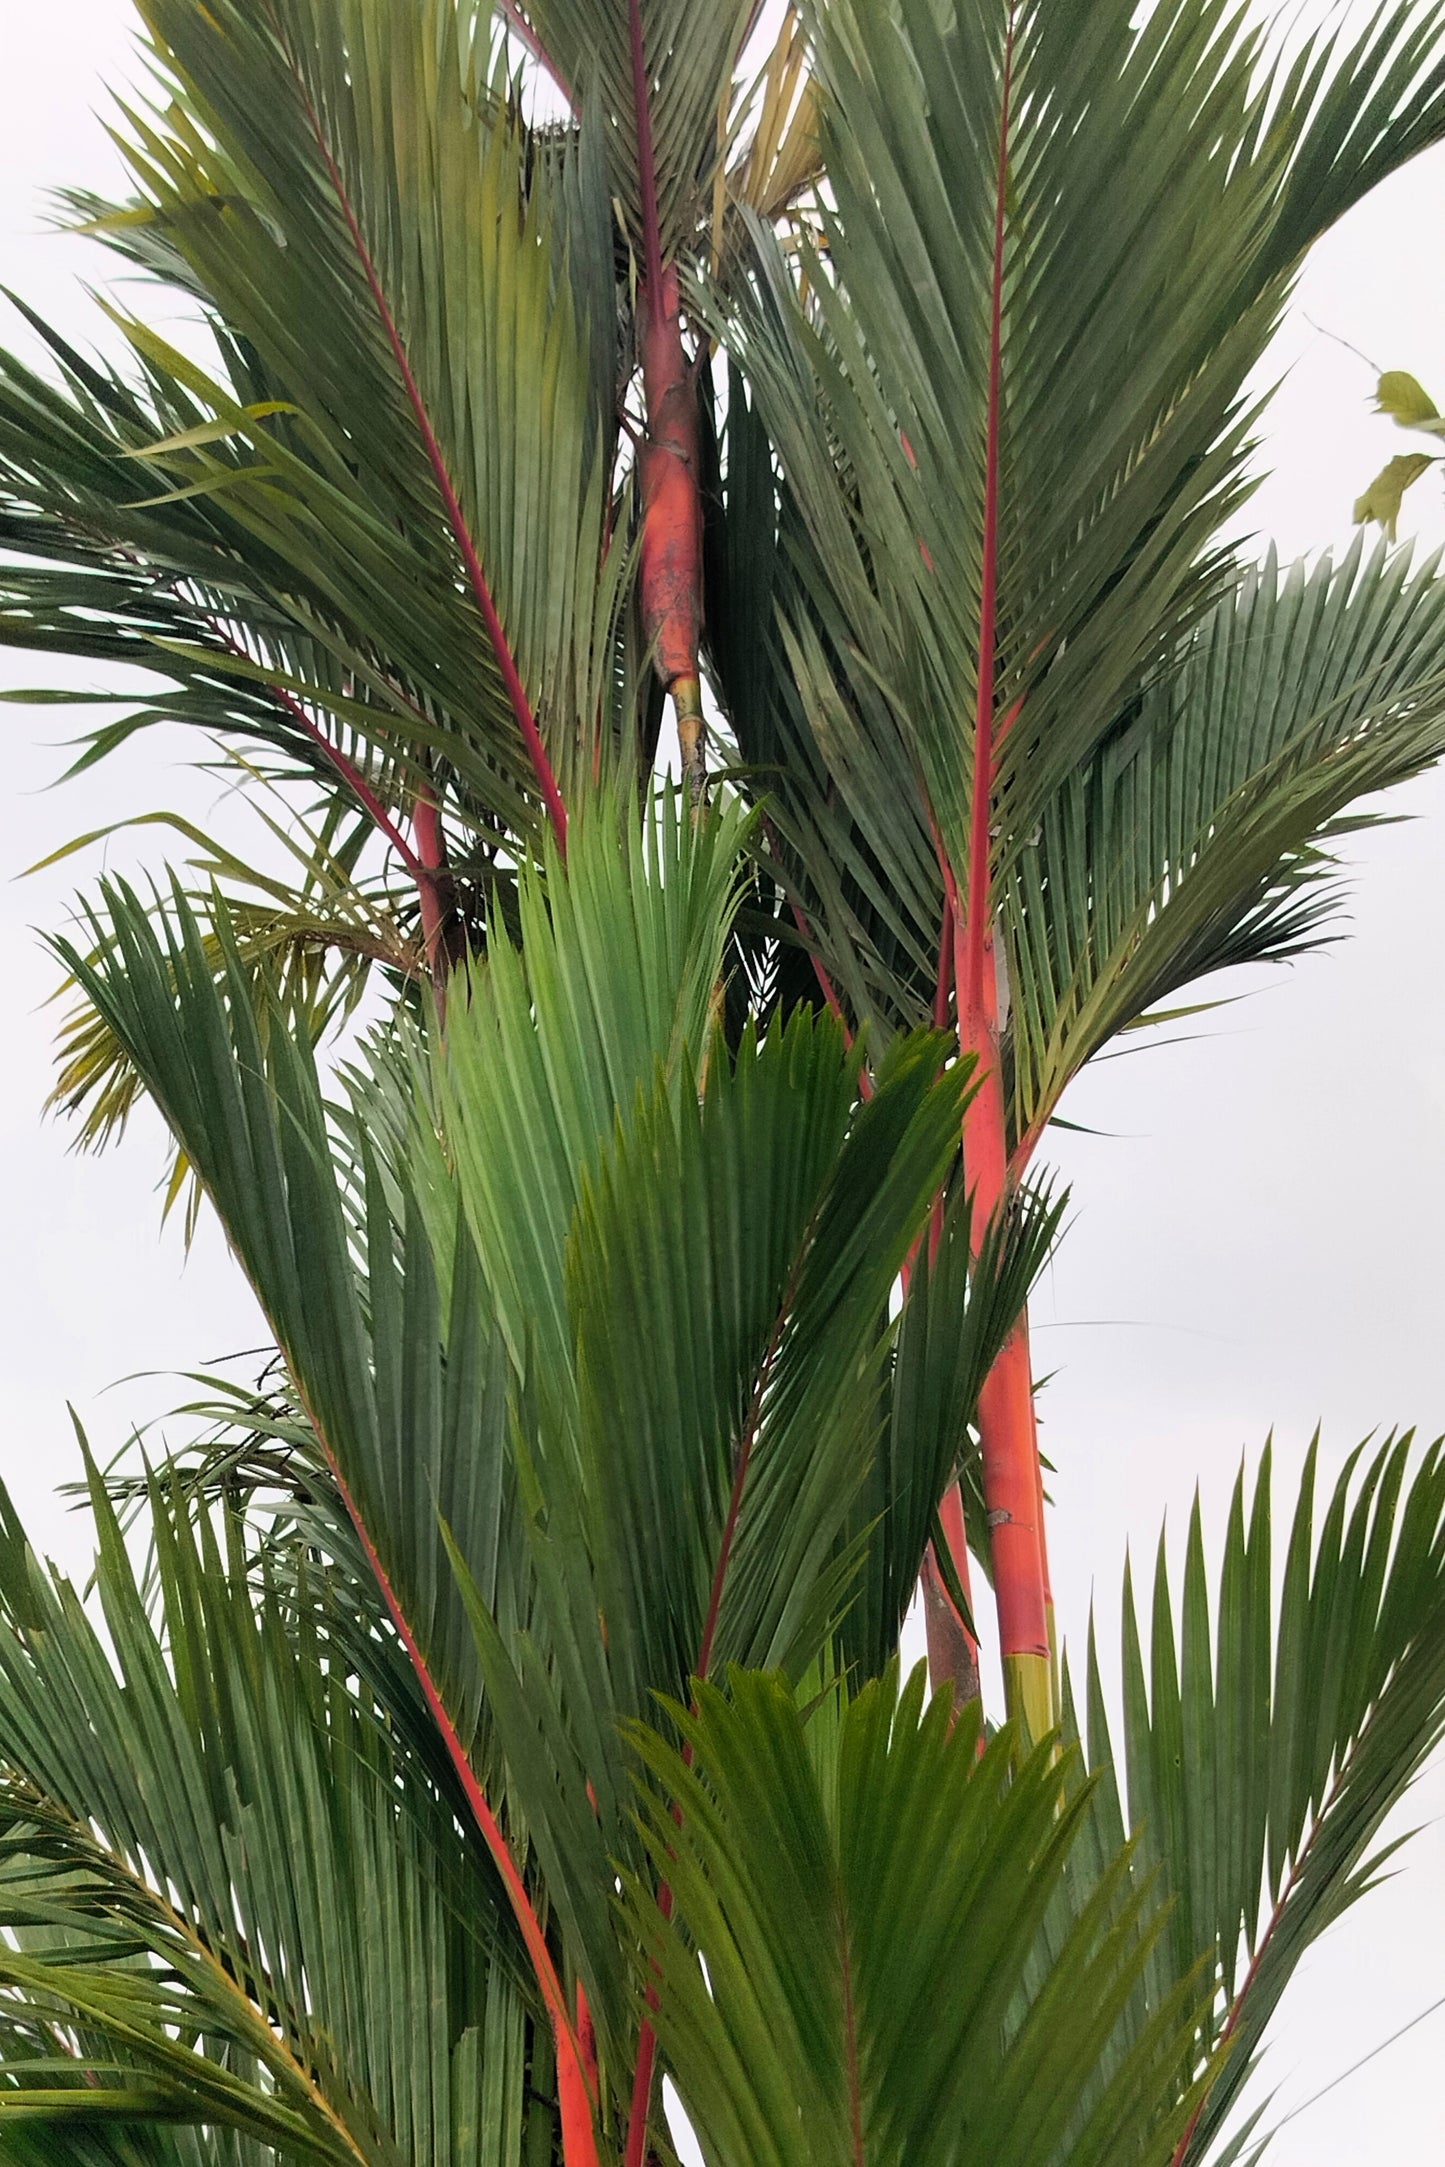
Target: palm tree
{"type": "Point", "coordinates": [507, 1695]}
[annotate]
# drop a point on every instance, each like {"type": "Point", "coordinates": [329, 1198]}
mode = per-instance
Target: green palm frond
{"type": "Point", "coordinates": [309, 949]}
{"type": "Point", "coordinates": [190, 1808]}
{"type": "Point", "coordinates": [1260, 1755]}
{"type": "Point", "coordinates": [729, 1359]}
{"type": "Point", "coordinates": [614, 981]}
{"type": "Point", "coordinates": [1199, 836]}
{"type": "Point", "coordinates": [504, 1686]}
{"type": "Point", "coordinates": [828, 1889]}
{"type": "Point", "coordinates": [369, 1273]}
{"type": "Point", "coordinates": [555, 1189]}
{"type": "Point", "coordinates": [689, 54]}
{"type": "Point", "coordinates": [1144, 268]}
{"type": "Point", "coordinates": [713, 1472]}
{"type": "Point", "coordinates": [868, 888]}
{"type": "Point", "coordinates": [130, 571]}
{"type": "Point", "coordinates": [403, 380]}
{"type": "Point", "coordinates": [248, 1115]}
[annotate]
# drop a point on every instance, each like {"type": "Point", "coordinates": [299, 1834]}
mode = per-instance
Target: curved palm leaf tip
{"type": "Point", "coordinates": [587, 1311]}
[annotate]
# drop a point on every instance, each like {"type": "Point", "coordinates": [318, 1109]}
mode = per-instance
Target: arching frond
{"type": "Point", "coordinates": [165, 1960]}
{"type": "Point", "coordinates": [1162, 178]}
{"type": "Point", "coordinates": [670, 152]}
{"type": "Point", "coordinates": [813, 2027]}
{"type": "Point", "coordinates": [1200, 835]}
{"type": "Point", "coordinates": [1260, 1754]}
{"type": "Point", "coordinates": [401, 464]}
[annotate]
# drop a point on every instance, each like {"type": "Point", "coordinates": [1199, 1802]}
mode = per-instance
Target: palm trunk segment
{"type": "Point", "coordinates": [1011, 1479]}
{"type": "Point", "coordinates": [433, 887]}
{"type": "Point", "coordinates": [952, 1648]}
{"type": "Point", "coordinates": [671, 567]}
{"type": "Point", "coordinates": [952, 1643]}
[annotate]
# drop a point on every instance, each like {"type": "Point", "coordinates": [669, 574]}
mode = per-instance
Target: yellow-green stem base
{"type": "Point", "coordinates": [1028, 1686]}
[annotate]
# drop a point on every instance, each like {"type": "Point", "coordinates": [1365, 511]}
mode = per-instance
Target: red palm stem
{"type": "Point", "coordinates": [431, 850]}
{"type": "Point", "coordinates": [1010, 1454]}
{"type": "Point", "coordinates": [670, 570]}
{"type": "Point", "coordinates": [952, 1648]}
{"type": "Point", "coordinates": [829, 991]}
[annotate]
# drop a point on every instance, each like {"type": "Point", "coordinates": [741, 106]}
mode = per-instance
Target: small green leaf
{"type": "Point", "coordinates": [233, 423]}
{"type": "Point", "coordinates": [1381, 501]}
{"type": "Point", "coordinates": [1405, 399]}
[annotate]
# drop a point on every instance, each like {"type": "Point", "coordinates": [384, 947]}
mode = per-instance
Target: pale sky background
{"type": "Point", "coordinates": [1256, 1243]}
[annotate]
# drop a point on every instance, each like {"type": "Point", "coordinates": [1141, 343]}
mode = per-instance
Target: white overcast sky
{"type": "Point", "coordinates": [1256, 1241]}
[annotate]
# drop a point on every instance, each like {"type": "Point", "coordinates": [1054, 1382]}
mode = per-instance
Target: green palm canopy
{"type": "Point", "coordinates": [499, 1707]}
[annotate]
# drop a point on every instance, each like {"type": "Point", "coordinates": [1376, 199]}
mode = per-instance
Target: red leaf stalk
{"type": "Point", "coordinates": [1011, 1481]}
{"type": "Point", "coordinates": [645, 2070]}
{"type": "Point", "coordinates": [426, 863]}
{"type": "Point", "coordinates": [477, 580]}
{"type": "Point", "coordinates": [476, 576]}
{"type": "Point", "coordinates": [347, 769]}
{"type": "Point", "coordinates": [352, 776]}
{"type": "Point", "coordinates": [586, 2047]}
{"type": "Point", "coordinates": [579, 2137]}
{"type": "Point", "coordinates": [825, 983]}
{"type": "Point", "coordinates": [952, 1648]}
